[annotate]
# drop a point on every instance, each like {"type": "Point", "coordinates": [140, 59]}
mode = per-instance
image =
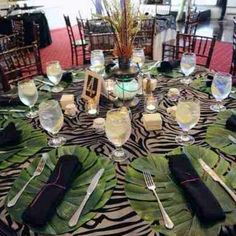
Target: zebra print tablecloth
{"type": "Point", "coordinates": [117, 218]}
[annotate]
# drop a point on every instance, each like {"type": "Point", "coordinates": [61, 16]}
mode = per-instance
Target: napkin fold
{"type": "Point", "coordinates": [200, 198]}
{"type": "Point", "coordinates": [231, 123]}
{"type": "Point", "coordinates": [9, 135]}
{"type": "Point", "coordinates": [44, 205]}
{"type": "Point", "coordinates": [168, 66]}
{"type": "Point", "coordinates": [67, 77]}
{"type": "Point", "coordinates": [9, 101]}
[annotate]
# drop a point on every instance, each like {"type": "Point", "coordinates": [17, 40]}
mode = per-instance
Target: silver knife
{"type": "Point", "coordinates": [74, 219]}
{"type": "Point", "coordinates": [12, 110]}
{"type": "Point", "coordinates": [232, 139]}
{"type": "Point", "coordinates": [216, 178]}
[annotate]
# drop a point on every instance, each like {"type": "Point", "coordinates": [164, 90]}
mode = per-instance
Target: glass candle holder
{"type": "Point", "coordinates": [92, 108]}
{"type": "Point", "coordinates": [150, 105]}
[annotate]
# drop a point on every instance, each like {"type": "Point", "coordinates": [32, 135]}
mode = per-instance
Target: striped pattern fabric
{"type": "Point", "coordinates": [117, 218]}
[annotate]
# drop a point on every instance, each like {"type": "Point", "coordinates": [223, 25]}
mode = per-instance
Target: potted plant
{"type": "Point", "coordinates": [124, 18]}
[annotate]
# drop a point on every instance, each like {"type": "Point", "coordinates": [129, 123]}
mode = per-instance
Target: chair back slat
{"type": "Point", "coordinates": [202, 46]}
{"type": "Point", "coordinates": [191, 23]}
{"type": "Point", "coordinates": [8, 42]}
{"type": "Point", "coordinates": [233, 63]}
{"type": "Point", "coordinates": [18, 64]}
{"type": "Point", "coordinates": [18, 29]}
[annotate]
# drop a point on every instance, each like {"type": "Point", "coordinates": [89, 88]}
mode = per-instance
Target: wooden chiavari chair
{"type": "Point", "coordinates": [8, 42]}
{"type": "Point", "coordinates": [84, 37]}
{"type": "Point", "coordinates": [18, 64]}
{"type": "Point", "coordinates": [74, 44]}
{"type": "Point", "coordinates": [200, 45]}
{"type": "Point", "coordinates": [190, 27]}
{"type": "Point", "coordinates": [144, 38]}
{"type": "Point", "coordinates": [18, 29]}
{"type": "Point", "coordinates": [233, 64]}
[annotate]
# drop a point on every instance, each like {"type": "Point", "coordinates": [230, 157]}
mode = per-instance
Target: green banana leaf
{"type": "Point", "coordinates": [59, 223]}
{"type": "Point", "coordinates": [8, 114]}
{"type": "Point", "coordinates": [217, 134]}
{"type": "Point", "coordinates": [186, 223]}
{"type": "Point", "coordinates": [200, 85]}
{"type": "Point", "coordinates": [32, 140]}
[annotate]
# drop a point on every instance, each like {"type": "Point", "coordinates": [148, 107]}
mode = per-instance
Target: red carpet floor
{"type": "Point", "coordinates": [60, 50]}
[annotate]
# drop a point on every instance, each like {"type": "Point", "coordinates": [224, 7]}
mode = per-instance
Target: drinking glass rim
{"type": "Point", "coordinates": [221, 73]}
{"type": "Point", "coordinates": [25, 81]}
{"type": "Point", "coordinates": [138, 49]}
{"type": "Point", "coordinates": [96, 51]}
{"type": "Point", "coordinates": [188, 99]}
{"type": "Point", "coordinates": [116, 109]}
{"type": "Point", "coordinates": [53, 103]}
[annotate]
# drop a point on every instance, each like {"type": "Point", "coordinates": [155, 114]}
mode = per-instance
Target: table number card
{"type": "Point", "coordinates": [92, 86]}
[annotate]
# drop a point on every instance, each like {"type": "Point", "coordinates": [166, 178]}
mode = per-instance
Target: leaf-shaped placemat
{"type": "Point", "coordinates": [42, 96]}
{"type": "Point", "coordinates": [74, 196]}
{"type": "Point", "coordinates": [144, 202]}
{"type": "Point", "coordinates": [32, 140]}
{"type": "Point", "coordinates": [217, 134]}
{"type": "Point", "coordinates": [200, 84]}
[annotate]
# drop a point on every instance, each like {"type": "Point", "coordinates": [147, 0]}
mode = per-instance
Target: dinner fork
{"type": "Point", "coordinates": [151, 186]}
{"type": "Point", "coordinates": [37, 172]}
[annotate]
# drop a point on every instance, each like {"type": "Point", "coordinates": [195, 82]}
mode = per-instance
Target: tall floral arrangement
{"type": "Point", "coordinates": [124, 18]}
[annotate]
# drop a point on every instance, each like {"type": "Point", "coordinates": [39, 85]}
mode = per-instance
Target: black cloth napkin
{"type": "Point", "coordinates": [168, 66]}
{"type": "Point", "coordinates": [67, 77]}
{"type": "Point", "coordinates": [9, 135]}
{"type": "Point", "coordinates": [231, 123]}
{"type": "Point", "coordinates": [200, 198]}
{"type": "Point", "coordinates": [44, 205]}
{"type": "Point", "coordinates": [9, 101]}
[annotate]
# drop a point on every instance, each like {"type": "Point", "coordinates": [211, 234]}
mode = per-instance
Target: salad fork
{"type": "Point", "coordinates": [151, 186]}
{"type": "Point", "coordinates": [37, 172]}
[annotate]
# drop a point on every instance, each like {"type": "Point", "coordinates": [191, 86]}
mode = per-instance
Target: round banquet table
{"type": "Point", "coordinates": [117, 217]}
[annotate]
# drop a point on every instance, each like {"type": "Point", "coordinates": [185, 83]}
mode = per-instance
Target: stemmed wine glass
{"type": "Point", "coordinates": [51, 119]}
{"type": "Point", "coordinates": [97, 61]}
{"type": "Point", "coordinates": [118, 130]}
{"type": "Point", "coordinates": [187, 64]}
{"type": "Point", "coordinates": [220, 88]}
{"type": "Point", "coordinates": [54, 74]}
{"type": "Point", "coordinates": [138, 56]}
{"type": "Point", "coordinates": [28, 95]}
{"type": "Point", "coordinates": [187, 116]}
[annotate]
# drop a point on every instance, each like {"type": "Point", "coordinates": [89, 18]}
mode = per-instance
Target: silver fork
{"type": "Point", "coordinates": [151, 186]}
{"type": "Point", "coordinates": [37, 172]}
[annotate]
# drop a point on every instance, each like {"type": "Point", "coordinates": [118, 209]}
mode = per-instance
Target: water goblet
{"type": "Point", "coordinates": [187, 64]}
{"type": "Point", "coordinates": [97, 61]}
{"type": "Point", "coordinates": [118, 130]}
{"type": "Point", "coordinates": [138, 57]}
{"type": "Point", "coordinates": [54, 74]}
{"type": "Point", "coordinates": [51, 119]}
{"type": "Point", "coordinates": [187, 116]}
{"type": "Point", "coordinates": [28, 95]}
{"type": "Point", "coordinates": [220, 88]}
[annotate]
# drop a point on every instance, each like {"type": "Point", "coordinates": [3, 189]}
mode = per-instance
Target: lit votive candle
{"type": "Point", "coordinates": [92, 108]}
{"type": "Point", "coordinates": [150, 104]}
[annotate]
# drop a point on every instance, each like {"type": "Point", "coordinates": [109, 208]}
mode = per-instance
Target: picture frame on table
{"type": "Point", "coordinates": [92, 86]}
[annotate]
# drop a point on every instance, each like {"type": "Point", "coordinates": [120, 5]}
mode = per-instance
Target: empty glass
{"type": "Point", "coordinates": [187, 116]}
{"type": "Point", "coordinates": [28, 95]}
{"type": "Point", "coordinates": [220, 88]}
{"type": "Point", "coordinates": [51, 119]}
{"type": "Point", "coordinates": [187, 64]}
{"type": "Point", "coordinates": [97, 61]}
{"type": "Point", "coordinates": [138, 56]}
{"type": "Point", "coordinates": [118, 130]}
{"type": "Point", "coordinates": [54, 74]}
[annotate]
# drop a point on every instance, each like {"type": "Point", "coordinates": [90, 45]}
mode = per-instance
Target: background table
{"type": "Point", "coordinates": [37, 17]}
{"type": "Point", "coordinates": [117, 217]}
